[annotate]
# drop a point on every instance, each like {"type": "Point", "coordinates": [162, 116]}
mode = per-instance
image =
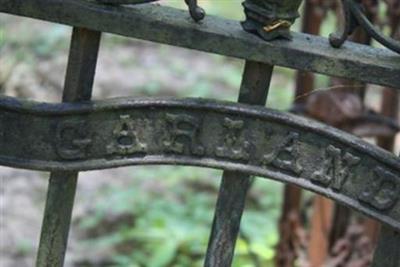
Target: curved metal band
{"type": "Point", "coordinates": [259, 141]}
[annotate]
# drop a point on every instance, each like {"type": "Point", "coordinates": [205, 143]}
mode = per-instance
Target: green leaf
{"type": "Point", "coordinates": [164, 254]}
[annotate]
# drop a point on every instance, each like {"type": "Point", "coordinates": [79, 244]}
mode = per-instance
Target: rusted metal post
{"type": "Point", "coordinates": [62, 186]}
{"type": "Point", "coordinates": [234, 185]}
{"type": "Point", "coordinates": [320, 224]}
{"type": "Point", "coordinates": [390, 101]}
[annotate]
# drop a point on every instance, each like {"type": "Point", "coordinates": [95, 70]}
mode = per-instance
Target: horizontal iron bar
{"type": "Point", "coordinates": [217, 35]}
{"type": "Point", "coordinates": [235, 137]}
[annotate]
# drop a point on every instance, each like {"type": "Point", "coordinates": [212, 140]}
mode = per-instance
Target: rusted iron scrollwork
{"type": "Point", "coordinates": [236, 137]}
{"type": "Point", "coordinates": [196, 12]}
{"type": "Point", "coordinates": [353, 11]}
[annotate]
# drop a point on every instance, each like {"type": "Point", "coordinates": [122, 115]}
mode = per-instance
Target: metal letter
{"type": "Point", "coordinates": [382, 190]}
{"type": "Point", "coordinates": [335, 168]}
{"type": "Point", "coordinates": [72, 140]}
{"type": "Point", "coordinates": [125, 138]}
{"type": "Point", "coordinates": [235, 146]}
{"type": "Point", "coordinates": [286, 155]}
{"type": "Point", "coordinates": [183, 127]}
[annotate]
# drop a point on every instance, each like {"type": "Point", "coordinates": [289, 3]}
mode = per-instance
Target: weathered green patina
{"type": "Point", "coordinates": [259, 141]}
{"type": "Point", "coordinates": [62, 184]}
{"type": "Point", "coordinates": [243, 140]}
{"type": "Point", "coordinates": [271, 19]}
{"type": "Point", "coordinates": [218, 35]}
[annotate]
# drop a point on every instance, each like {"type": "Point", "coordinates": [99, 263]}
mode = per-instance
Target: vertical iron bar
{"type": "Point", "coordinates": [234, 185]}
{"type": "Point", "coordinates": [387, 252]}
{"type": "Point", "coordinates": [62, 185]}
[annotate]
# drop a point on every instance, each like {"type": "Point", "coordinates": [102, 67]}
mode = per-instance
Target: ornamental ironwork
{"type": "Point", "coordinates": [355, 17]}
{"type": "Point", "coordinates": [242, 139]}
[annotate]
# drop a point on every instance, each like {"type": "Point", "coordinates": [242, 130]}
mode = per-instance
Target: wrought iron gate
{"type": "Point", "coordinates": [243, 139]}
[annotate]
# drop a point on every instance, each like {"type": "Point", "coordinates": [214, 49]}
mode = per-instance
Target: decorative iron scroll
{"type": "Point", "coordinates": [355, 17]}
{"type": "Point", "coordinates": [196, 12]}
{"type": "Point", "coordinates": [259, 141]}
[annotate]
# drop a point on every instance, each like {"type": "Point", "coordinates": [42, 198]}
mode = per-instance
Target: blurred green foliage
{"type": "Point", "coordinates": [164, 219]}
{"type": "Point", "coordinates": [2, 39]}
{"type": "Point", "coordinates": [226, 8]}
